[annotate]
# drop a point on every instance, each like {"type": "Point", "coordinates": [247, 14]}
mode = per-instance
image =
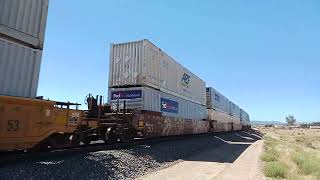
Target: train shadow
{"type": "Point", "coordinates": [217, 147]}
{"type": "Point", "coordinates": [233, 145]}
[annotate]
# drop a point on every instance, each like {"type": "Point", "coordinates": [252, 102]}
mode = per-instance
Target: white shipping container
{"type": "Point", "coordinates": [234, 109]}
{"type": "Point", "coordinates": [244, 116]}
{"type": "Point", "coordinates": [235, 120]}
{"type": "Point", "coordinates": [216, 100]}
{"type": "Point", "coordinates": [141, 63]}
{"type": "Point", "coordinates": [19, 69]}
{"type": "Point", "coordinates": [145, 98]}
{"type": "Point", "coordinates": [237, 127]}
{"type": "Point", "coordinates": [24, 20]}
{"type": "Point", "coordinates": [244, 123]}
{"type": "Point", "coordinates": [218, 116]}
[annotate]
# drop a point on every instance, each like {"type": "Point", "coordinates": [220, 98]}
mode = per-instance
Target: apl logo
{"type": "Point", "coordinates": [185, 80]}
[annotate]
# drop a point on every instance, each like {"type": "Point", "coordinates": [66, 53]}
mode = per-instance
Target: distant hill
{"type": "Point", "coordinates": [267, 123]}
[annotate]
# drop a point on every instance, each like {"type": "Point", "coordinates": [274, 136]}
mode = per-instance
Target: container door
{"type": "Point", "coordinates": [152, 65]}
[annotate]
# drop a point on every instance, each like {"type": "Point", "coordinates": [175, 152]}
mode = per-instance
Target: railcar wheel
{"type": "Point", "coordinates": [40, 147]}
{"type": "Point", "coordinates": [75, 141]}
{"type": "Point", "coordinates": [127, 137]}
{"type": "Point", "coordinates": [86, 141]}
{"type": "Point", "coordinates": [109, 136]}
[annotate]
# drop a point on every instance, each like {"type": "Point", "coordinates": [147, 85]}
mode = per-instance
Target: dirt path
{"type": "Point", "coordinates": [235, 159]}
{"type": "Point", "coordinates": [246, 167]}
{"type": "Point", "coordinates": [195, 170]}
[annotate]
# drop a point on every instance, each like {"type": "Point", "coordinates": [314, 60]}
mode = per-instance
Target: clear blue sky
{"type": "Point", "coordinates": [263, 55]}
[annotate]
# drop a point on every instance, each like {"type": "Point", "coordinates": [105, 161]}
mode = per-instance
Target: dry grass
{"type": "Point", "coordinates": [275, 169]}
{"type": "Point", "coordinates": [270, 154]}
{"type": "Point", "coordinates": [308, 163]}
{"type": "Point", "coordinates": [291, 154]}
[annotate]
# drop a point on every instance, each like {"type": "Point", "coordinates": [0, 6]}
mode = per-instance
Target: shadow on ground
{"type": "Point", "coordinates": [218, 147]}
{"type": "Point", "coordinates": [136, 161]}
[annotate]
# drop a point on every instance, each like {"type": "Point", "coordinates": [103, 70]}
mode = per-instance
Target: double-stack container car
{"type": "Point", "coordinates": [224, 113]}
{"type": "Point", "coordinates": [145, 78]}
{"type": "Point", "coordinates": [235, 116]}
{"type": "Point", "coordinates": [218, 110]}
{"type": "Point", "coordinates": [245, 120]}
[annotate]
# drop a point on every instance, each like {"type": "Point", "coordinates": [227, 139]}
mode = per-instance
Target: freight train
{"type": "Point", "coordinates": [150, 95]}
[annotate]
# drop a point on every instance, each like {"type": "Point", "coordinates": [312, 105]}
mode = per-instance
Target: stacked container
{"type": "Point", "coordinates": [22, 28]}
{"type": "Point", "coordinates": [215, 100]}
{"type": "Point", "coordinates": [244, 117]}
{"type": "Point", "coordinates": [218, 109]}
{"type": "Point", "coordinates": [234, 110]}
{"type": "Point", "coordinates": [142, 64]}
{"type": "Point", "coordinates": [235, 115]}
{"type": "Point", "coordinates": [147, 98]}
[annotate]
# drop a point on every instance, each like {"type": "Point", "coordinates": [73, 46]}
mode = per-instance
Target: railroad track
{"type": "Point", "coordinates": [8, 158]}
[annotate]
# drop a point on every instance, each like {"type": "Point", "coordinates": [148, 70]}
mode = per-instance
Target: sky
{"type": "Point", "coordinates": [263, 55]}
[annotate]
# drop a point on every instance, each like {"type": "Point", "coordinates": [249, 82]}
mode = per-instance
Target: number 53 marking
{"type": "Point", "coordinates": [13, 125]}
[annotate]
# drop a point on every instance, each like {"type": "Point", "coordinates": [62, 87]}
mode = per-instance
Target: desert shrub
{"type": "Point", "coordinates": [307, 163]}
{"type": "Point", "coordinates": [275, 169]}
{"type": "Point", "coordinates": [269, 155]}
{"type": "Point", "coordinates": [300, 139]}
{"type": "Point", "coordinates": [269, 142]}
{"type": "Point", "coordinates": [310, 145]}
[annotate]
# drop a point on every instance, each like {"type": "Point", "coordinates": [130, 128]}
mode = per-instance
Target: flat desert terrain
{"type": "Point", "coordinates": [291, 153]}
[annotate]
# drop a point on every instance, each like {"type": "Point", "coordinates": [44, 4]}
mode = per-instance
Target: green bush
{"type": "Point", "coordinates": [275, 169]}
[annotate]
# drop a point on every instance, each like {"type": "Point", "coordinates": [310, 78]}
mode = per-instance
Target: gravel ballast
{"type": "Point", "coordinates": [114, 164]}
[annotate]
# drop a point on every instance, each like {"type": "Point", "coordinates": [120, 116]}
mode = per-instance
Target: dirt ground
{"type": "Point", "coordinates": [237, 158]}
